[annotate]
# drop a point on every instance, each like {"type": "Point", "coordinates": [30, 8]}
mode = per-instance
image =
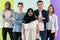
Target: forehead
{"type": "Point", "coordinates": [50, 7]}
{"type": "Point", "coordinates": [7, 4]}
{"type": "Point", "coordinates": [40, 3]}
{"type": "Point", "coordinates": [20, 5]}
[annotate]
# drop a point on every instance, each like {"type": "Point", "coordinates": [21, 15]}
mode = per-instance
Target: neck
{"type": "Point", "coordinates": [19, 11]}
{"type": "Point", "coordinates": [50, 13]}
{"type": "Point", "coordinates": [40, 9]}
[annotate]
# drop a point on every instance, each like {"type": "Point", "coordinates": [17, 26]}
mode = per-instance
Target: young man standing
{"type": "Point", "coordinates": [17, 21]}
{"type": "Point", "coordinates": [42, 16]}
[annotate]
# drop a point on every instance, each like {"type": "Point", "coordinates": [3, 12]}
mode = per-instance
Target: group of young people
{"type": "Point", "coordinates": [27, 26]}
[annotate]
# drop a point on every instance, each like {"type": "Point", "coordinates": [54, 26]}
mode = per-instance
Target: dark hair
{"type": "Point", "coordinates": [27, 18]}
{"type": "Point", "coordinates": [39, 1]}
{"type": "Point", "coordinates": [52, 8]}
{"type": "Point", "coordinates": [8, 4]}
{"type": "Point", "coordinates": [29, 10]}
{"type": "Point", "coordinates": [20, 3]}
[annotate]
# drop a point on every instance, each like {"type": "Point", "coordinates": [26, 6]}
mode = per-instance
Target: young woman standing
{"type": "Point", "coordinates": [7, 15]}
{"type": "Point", "coordinates": [17, 21]}
{"type": "Point", "coordinates": [52, 25]}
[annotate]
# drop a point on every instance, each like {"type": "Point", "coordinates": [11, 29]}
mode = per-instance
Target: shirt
{"type": "Point", "coordinates": [41, 24]}
{"type": "Point", "coordinates": [53, 23]}
{"type": "Point", "coordinates": [7, 20]}
{"type": "Point", "coordinates": [18, 23]}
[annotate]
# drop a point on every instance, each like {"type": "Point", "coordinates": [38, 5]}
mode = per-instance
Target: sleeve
{"type": "Point", "coordinates": [19, 21]}
{"type": "Point", "coordinates": [8, 19]}
{"type": "Point", "coordinates": [46, 17]}
{"type": "Point", "coordinates": [3, 15]}
{"type": "Point", "coordinates": [36, 13]}
{"type": "Point", "coordinates": [56, 24]}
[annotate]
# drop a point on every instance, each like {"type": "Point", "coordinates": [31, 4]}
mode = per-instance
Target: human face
{"type": "Point", "coordinates": [20, 7]}
{"type": "Point", "coordinates": [30, 13]}
{"type": "Point", "coordinates": [7, 6]}
{"type": "Point", "coordinates": [40, 5]}
{"type": "Point", "coordinates": [50, 10]}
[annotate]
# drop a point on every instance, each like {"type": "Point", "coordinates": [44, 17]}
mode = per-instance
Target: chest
{"type": "Point", "coordinates": [8, 13]}
{"type": "Point", "coordinates": [19, 16]}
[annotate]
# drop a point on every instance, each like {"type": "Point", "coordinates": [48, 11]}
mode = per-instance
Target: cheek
{"type": "Point", "coordinates": [28, 14]}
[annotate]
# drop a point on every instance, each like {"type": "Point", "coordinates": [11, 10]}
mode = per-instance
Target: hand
{"type": "Point", "coordinates": [13, 19]}
{"type": "Point", "coordinates": [37, 29]}
{"type": "Point", "coordinates": [41, 19]}
{"type": "Point", "coordinates": [23, 31]}
{"type": "Point", "coordinates": [55, 34]}
{"type": "Point", "coordinates": [36, 17]}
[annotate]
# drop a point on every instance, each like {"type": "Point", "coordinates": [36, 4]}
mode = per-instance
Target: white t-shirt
{"type": "Point", "coordinates": [41, 24]}
{"type": "Point", "coordinates": [53, 23]}
{"type": "Point", "coordinates": [49, 24]}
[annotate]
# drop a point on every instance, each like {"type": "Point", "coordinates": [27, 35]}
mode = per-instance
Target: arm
{"type": "Point", "coordinates": [37, 29]}
{"type": "Point", "coordinates": [56, 26]}
{"type": "Point", "coordinates": [46, 17]}
{"type": "Point", "coordinates": [23, 30]}
{"type": "Point", "coordinates": [8, 19]}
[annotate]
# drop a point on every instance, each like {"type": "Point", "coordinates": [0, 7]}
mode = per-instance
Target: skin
{"type": "Point", "coordinates": [50, 10]}
{"type": "Point", "coordinates": [7, 6]}
{"type": "Point", "coordinates": [20, 7]}
{"type": "Point", "coordinates": [30, 13]}
{"type": "Point", "coordinates": [40, 6]}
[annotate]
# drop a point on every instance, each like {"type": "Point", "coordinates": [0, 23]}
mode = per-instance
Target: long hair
{"type": "Point", "coordinates": [52, 8]}
{"type": "Point", "coordinates": [9, 4]}
{"type": "Point", "coordinates": [27, 18]}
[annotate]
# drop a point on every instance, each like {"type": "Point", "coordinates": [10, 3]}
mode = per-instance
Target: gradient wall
{"type": "Point", "coordinates": [32, 4]}
{"type": "Point", "coordinates": [56, 4]}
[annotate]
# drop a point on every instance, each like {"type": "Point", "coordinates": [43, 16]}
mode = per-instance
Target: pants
{"type": "Point", "coordinates": [17, 35]}
{"type": "Point", "coordinates": [43, 35]}
{"type": "Point", "coordinates": [4, 33]}
{"type": "Point", "coordinates": [50, 35]}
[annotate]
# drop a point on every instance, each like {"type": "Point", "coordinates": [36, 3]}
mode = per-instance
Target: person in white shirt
{"type": "Point", "coordinates": [7, 15]}
{"type": "Point", "coordinates": [52, 25]}
{"type": "Point", "coordinates": [42, 15]}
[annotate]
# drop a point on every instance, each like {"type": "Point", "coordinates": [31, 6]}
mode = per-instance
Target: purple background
{"type": "Point", "coordinates": [56, 4]}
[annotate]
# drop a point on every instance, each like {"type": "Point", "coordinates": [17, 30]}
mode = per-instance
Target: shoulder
{"type": "Point", "coordinates": [55, 16]}
{"type": "Point", "coordinates": [36, 10]}
{"type": "Point", "coordinates": [45, 11]}
{"type": "Point", "coordinates": [3, 11]}
{"type": "Point", "coordinates": [14, 13]}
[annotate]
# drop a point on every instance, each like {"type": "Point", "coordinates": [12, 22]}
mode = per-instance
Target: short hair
{"type": "Point", "coordinates": [20, 3]}
{"type": "Point", "coordinates": [39, 1]}
{"type": "Point", "coordinates": [52, 8]}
